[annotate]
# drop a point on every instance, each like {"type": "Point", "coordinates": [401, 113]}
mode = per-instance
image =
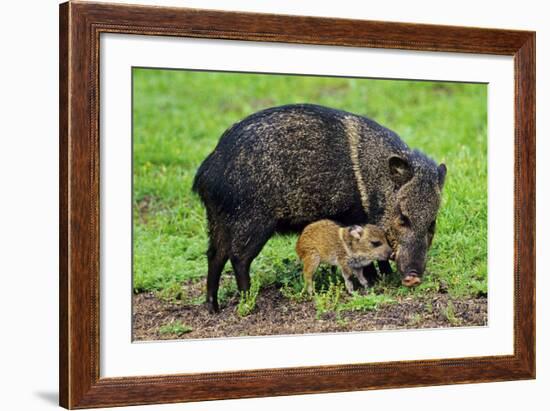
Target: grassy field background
{"type": "Point", "coordinates": [178, 117]}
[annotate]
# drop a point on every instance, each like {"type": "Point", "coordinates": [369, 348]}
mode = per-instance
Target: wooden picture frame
{"type": "Point", "coordinates": [80, 27]}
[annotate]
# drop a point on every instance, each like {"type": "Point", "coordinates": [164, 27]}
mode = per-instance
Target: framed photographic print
{"type": "Point", "coordinates": [258, 205]}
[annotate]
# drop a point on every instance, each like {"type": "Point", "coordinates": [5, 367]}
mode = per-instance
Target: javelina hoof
{"type": "Point", "coordinates": [411, 280]}
{"type": "Point", "coordinates": [213, 307]}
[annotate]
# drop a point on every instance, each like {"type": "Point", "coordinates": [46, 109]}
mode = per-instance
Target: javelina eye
{"type": "Point", "coordinates": [376, 243]}
{"type": "Point", "coordinates": [404, 220]}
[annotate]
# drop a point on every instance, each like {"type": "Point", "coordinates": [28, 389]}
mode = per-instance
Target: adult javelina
{"type": "Point", "coordinates": [285, 167]}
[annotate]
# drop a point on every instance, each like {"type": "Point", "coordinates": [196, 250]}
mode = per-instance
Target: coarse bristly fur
{"type": "Point", "coordinates": [285, 167]}
{"type": "Point", "coordinates": [350, 248]}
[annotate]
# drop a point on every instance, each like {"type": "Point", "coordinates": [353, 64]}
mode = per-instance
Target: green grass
{"type": "Point", "coordinates": [449, 313]}
{"type": "Point", "coordinates": [367, 302]}
{"type": "Point", "coordinates": [176, 328]}
{"type": "Point", "coordinates": [247, 300]}
{"type": "Point", "coordinates": [179, 117]}
{"type": "Point", "coordinates": [329, 299]}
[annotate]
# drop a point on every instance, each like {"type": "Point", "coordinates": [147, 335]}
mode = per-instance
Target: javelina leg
{"type": "Point", "coordinates": [216, 261]}
{"type": "Point", "coordinates": [242, 272]}
{"type": "Point", "coordinates": [370, 273]}
{"type": "Point", "coordinates": [244, 251]}
{"type": "Point", "coordinates": [311, 262]}
{"type": "Point", "coordinates": [359, 274]}
{"type": "Point", "coordinates": [385, 267]}
{"type": "Point", "coordinates": [347, 274]}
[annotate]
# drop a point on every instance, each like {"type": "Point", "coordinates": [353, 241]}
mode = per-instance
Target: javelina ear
{"type": "Point", "coordinates": [441, 173]}
{"type": "Point", "coordinates": [400, 170]}
{"type": "Point", "coordinates": [356, 231]}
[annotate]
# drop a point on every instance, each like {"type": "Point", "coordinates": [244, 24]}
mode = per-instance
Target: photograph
{"type": "Point", "coordinates": [282, 204]}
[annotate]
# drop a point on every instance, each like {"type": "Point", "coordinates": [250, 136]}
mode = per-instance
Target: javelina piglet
{"type": "Point", "coordinates": [350, 248]}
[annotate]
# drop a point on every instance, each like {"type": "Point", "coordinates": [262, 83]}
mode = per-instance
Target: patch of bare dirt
{"type": "Point", "coordinates": [277, 315]}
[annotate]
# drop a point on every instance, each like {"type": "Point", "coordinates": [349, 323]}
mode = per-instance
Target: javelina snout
{"type": "Point", "coordinates": [411, 262]}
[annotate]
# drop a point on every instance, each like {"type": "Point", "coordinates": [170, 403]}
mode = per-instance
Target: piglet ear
{"type": "Point", "coordinates": [400, 170]}
{"type": "Point", "coordinates": [356, 231]}
{"type": "Point", "coordinates": [441, 173]}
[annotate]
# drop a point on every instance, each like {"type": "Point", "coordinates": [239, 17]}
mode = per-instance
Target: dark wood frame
{"type": "Point", "coordinates": [80, 27]}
